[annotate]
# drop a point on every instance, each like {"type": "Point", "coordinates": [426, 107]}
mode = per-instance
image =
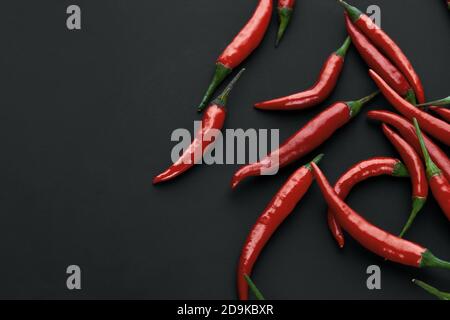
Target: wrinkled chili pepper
{"type": "Point", "coordinates": [321, 90]}
{"type": "Point", "coordinates": [373, 238]}
{"type": "Point", "coordinates": [282, 204]}
{"type": "Point", "coordinates": [213, 119]}
{"type": "Point", "coordinates": [246, 41]}
{"type": "Point", "coordinates": [442, 112]}
{"type": "Point", "coordinates": [386, 45]}
{"type": "Point", "coordinates": [362, 171]}
{"type": "Point", "coordinates": [254, 288]}
{"type": "Point", "coordinates": [439, 184]}
{"type": "Point", "coordinates": [416, 171]}
{"type": "Point", "coordinates": [408, 132]}
{"type": "Point", "coordinates": [377, 61]}
{"type": "Point", "coordinates": [432, 290]}
{"type": "Point", "coordinates": [285, 10]}
{"type": "Point", "coordinates": [439, 103]}
{"type": "Point", "coordinates": [432, 125]}
{"type": "Point", "coordinates": [312, 135]}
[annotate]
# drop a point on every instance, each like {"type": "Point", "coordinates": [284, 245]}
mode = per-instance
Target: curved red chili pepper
{"type": "Point", "coordinates": [285, 10]}
{"type": "Point", "coordinates": [213, 119]}
{"type": "Point", "coordinates": [416, 170]}
{"type": "Point", "coordinates": [362, 171]}
{"type": "Point", "coordinates": [246, 41]}
{"type": "Point", "coordinates": [373, 238]}
{"type": "Point", "coordinates": [321, 90]}
{"type": "Point", "coordinates": [432, 125]}
{"type": "Point", "coordinates": [377, 61]}
{"type": "Point", "coordinates": [282, 204]}
{"type": "Point", "coordinates": [384, 43]}
{"type": "Point", "coordinates": [442, 112]}
{"type": "Point", "coordinates": [312, 135]}
{"type": "Point", "coordinates": [439, 184]}
{"type": "Point", "coordinates": [407, 131]}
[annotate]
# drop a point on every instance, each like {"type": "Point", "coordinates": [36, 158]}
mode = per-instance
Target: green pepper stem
{"type": "Point", "coordinates": [411, 97]}
{"type": "Point", "coordinates": [439, 103]}
{"type": "Point", "coordinates": [400, 170]}
{"type": "Point", "coordinates": [342, 51]}
{"type": "Point", "coordinates": [418, 203]}
{"type": "Point", "coordinates": [432, 290]}
{"type": "Point", "coordinates": [219, 75]}
{"type": "Point", "coordinates": [352, 11]}
{"type": "Point", "coordinates": [253, 288]}
{"type": "Point", "coordinates": [431, 261]}
{"type": "Point", "coordinates": [316, 160]}
{"type": "Point", "coordinates": [222, 99]}
{"type": "Point", "coordinates": [432, 168]}
{"type": "Point", "coordinates": [355, 106]}
{"type": "Point", "coordinates": [284, 15]}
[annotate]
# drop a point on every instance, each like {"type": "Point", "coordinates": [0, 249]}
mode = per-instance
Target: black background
{"type": "Point", "coordinates": [85, 123]}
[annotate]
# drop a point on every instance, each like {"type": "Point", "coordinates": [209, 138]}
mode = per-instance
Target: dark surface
{"type": "Point", "coordinates": [85, 123]}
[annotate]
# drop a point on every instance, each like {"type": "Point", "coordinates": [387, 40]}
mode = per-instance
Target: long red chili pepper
{"type": "Point", "coordinates": [439, 184]}
{"type": "Point", "coordinates": [246, 41]}
{"type": "Point", "coordinates": [282, 204]}
{"type": "Point", "coordinates": [321, 90]}
{"type": "Point", "coordinates": [373, 238]}
{"type": "Point", "coordinates": [437, 293]}
{"type": "Point", "coordinates": [377, 61]}
{"type": "Point", "coordinates": [442, 112]}
{"type": "Point", "coordinates": [432, 125]}
{"type": "Point", "coordinates": [416, 170]}
{"type": "Point", "coordinates": [285, 10]}
{"type": "Point", "coordinates": [213, 119]}
{"type": "Point", "coordinates": [407, 131]}
{"type": "Point", "coordinates": [312, 135]}
{"type": "Point", "coordinates": [361, 171]}
{"type": "Point", "coordinates": [384, 43]}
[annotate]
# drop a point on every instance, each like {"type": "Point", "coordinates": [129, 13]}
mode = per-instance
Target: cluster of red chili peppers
{"type": "Point", "coordinates": [422, 160]}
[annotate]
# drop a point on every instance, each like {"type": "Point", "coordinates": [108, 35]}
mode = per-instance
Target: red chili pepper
{"type": "Point", "coordinates": [373, 238]}
{"type": "Point", "coordinates": [432, 125]}
{"type": "Point", "coordinates": [361, 171]}
{"type": "Point", "coordinates": [246, 41]}
{"type": "Point", "coordinates": [377, 61]}
{"type": "Point", "coordinates": [442, 112]}
{"type": "Point", "coordinates": [439, 184]}
{"type": "Point", "coordinates": [312, 135]}
{"type": "Point", "coordinates": [285, 10]}
{"type": "Point", "coordinates": [437, 293]}
{"type": "Point", "coordinates": [213, 119]}
{"type": "Point", "coordinates": [384, 43]}
{"type": "Point", "coordinates": [407, 131]}
{"type": "Point", "coordinates": [416, 170]}
{"type": "Point", "coordinates": [282, 204]}
{"type": "Point", "coordinates": [321, 90]}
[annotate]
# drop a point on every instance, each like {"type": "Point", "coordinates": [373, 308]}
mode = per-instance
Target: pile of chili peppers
{"type": "Point", "coordinates": [422, 160]}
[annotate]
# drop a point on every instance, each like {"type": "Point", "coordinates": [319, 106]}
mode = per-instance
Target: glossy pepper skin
{"type": "Point", "coordinates": [328, 78]}
{"type": "Point", "coordinates": [437, 128]}
{"type": "Point", "coordinates": [377, 61]}
{"type": "Point", "coordinates": [213, 119]}
{"type": "Point", "coordinates": [439, 184]}
{"type": "Point", "coordinates": [373, 238]}
{"type": "Point", "coordinates": [442, 112]}
{"type": "Point", "coordinates": [276, 212]}
{"type": "Point", "coordinates": [312, 135]}
{"type": "Point", "coordinates": [387, 46]}
{"type": "Point", "coordinates": [246, 41]}
{"type": "Point", "coordinates": [416, 171]}
{"type": "Point", "coordinates": [358, 173]}
{"type": "Point", "coordinates": [408, 132]}
{"type": "Point", "coordinates": [285, 10]}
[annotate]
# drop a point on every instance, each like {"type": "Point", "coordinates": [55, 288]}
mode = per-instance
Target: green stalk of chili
{"type": "Point", "coordinates": [439, 294]}
{"type": "Point", "coordinates": [439, 103]}
{"type": "Point", "coordinates": [254, 288]}
{"type": "Point", "coordinates": [285, 10]}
